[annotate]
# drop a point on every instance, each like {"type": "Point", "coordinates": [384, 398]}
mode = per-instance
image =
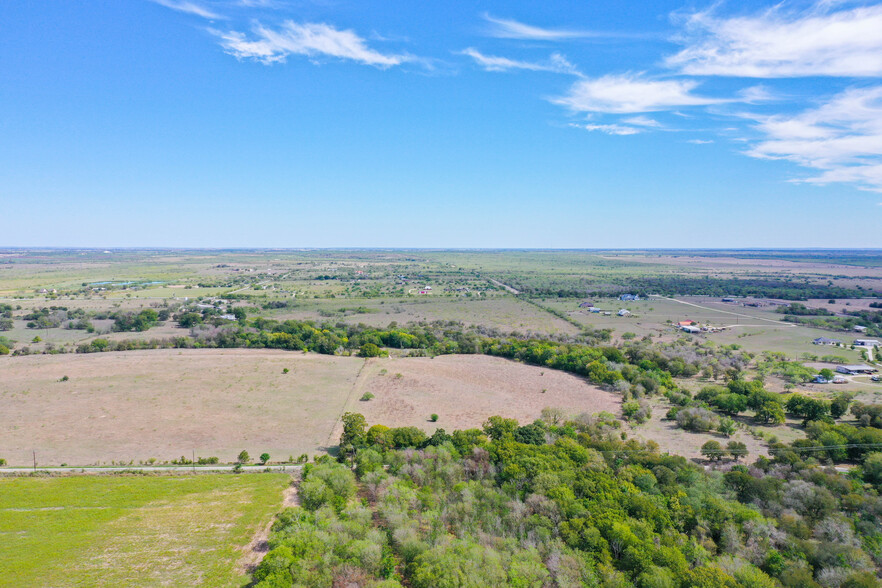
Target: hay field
{"type": "Point", "coordinates": [132, 530]}
{"type": "Point", "coordinates": [164, 404]}
{"type": "Point", "coordinates": [463, 390]}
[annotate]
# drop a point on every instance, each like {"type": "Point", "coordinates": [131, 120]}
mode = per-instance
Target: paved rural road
{"type": "Point", "coordinates": [758, 318]}
{"type": "Point", "coordinates": [117, 469]}
{"type": "Point", "coordinates": [501, 285]}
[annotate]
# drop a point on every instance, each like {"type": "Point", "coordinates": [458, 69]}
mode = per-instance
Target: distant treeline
{"type": "Point", "coordinates": [872, 320]}
{"type": "Point", "coordinates": [689, 286]}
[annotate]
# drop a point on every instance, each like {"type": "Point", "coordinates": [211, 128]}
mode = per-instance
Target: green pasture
{"type": "Point", "coordinates": [131, 530]}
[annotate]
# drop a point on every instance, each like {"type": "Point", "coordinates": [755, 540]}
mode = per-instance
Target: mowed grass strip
{"type": "Point", "coordinates": [132, 530]}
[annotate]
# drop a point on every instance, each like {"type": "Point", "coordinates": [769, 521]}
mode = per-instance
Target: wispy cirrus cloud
{"type": "Point", "coordinates": [556, 63]}
{"type": "Point", "coordinates": [820, 41]}
{"type": "Point", "coordinates": [841, 139]}
{"type": "Point", "coordinates": [190, 8]}
{"type": "Point", "coordinates": [643, 121]}
{"type": "Point", "coordinates": [505, 28]}
{"type": "Point", "coordinates": [610, 129]}
{"type": "Point", "coordinates": [313, 40]}
{"type": "Point", "coordinates": [631, 94]}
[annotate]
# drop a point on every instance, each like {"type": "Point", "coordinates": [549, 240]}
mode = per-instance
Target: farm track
{"type": "Point", "coordinates": [255, 551]}
{"type": "Point", "coordinates": [774, 322]}
{"type": "Point", "coordinates": [357, 386]}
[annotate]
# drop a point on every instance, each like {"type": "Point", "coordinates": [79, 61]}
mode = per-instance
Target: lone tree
{"type": "Point", "coordinates": [726, 426]}
{"type": "Point", "coordinates": [736, 449]}
{"type": "Point", "coordinates": [354, 426]}
{"type": "Point", "coordinates": [839, 405]}
{"type": "Point", "coordinates": [264, 457]}
{"type": "Point", "coordinates": [712, 450]}
{"type": "Point", "coordinates": [243, 457]}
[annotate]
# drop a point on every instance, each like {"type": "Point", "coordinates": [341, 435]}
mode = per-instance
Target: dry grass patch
{"type": "Point", "coordinates": [466, 389]}
{"type": "Point", "coordinates": [167, 403]}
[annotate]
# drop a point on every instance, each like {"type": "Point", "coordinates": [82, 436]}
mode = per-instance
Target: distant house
{"type": "Point", "coordinates": [595, 310]}
{"type": "Point", "coordinates": [860, 329]}
{"type": "Point", "coordinates": [826, 341]}
{"type": "Point", "coordinates": [728, 299]}
{"type": "Point", "coordinates": [867, 342]}
{"type": "Point", "coordinates": [228, 317]}
{"type": "Point", "coordinates": [624, 312]}
{"type": "Point", "coordinates": [629, 297]}
{"type": "Point", "coordinates": [819, 379]}
{"type": "Point", "coordinates": [686, 323]}
{"type": "Point", "coordinates": [689, 329]}
{"type": "Point", "coordinates": [839, 380]}
{"type": "Point", "coordinates": [586, 305]}
{"type": "Point", "coordinates": [856, 369]}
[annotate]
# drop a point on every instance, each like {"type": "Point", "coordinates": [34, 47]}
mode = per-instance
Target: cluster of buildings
{"type": "Point", "coordinates": [692, 327]}
{"type": "Point", "coordinates": [857, 342]}
{"type": "Point", "coordinates": [589, 306]}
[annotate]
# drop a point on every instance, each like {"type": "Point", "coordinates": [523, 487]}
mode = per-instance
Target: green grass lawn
{"type": "Point", "coordinates": [132, 530]}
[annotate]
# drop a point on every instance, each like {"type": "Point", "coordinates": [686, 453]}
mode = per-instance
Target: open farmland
{"type": "Point", "coordinates": [132, 530]}
{"type": "Point", "coordinates": [504, 313]}
{"type": "Point", "coordinates": [134, 406]}
{"type": "Point", "coordinates": [463, 390]}
{"type": "Point", "coordinates": [167, 403]}
{"type": "Point", "coordinates": [755, 329]}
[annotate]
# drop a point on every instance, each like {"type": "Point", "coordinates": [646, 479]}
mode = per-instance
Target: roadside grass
{"type": "Point", "coordinates": [132, 530]}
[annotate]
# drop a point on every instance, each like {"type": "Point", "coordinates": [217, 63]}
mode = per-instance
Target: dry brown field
{"type": "Point", "coordinates": [167, 403]}
{"type": "Point", "coordinates": [463, 390]}
{"type": "Point", "coordinates": [137, 405]}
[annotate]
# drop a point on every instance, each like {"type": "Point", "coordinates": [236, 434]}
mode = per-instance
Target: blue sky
{"type": "Point", "coordinates": [273, 123]}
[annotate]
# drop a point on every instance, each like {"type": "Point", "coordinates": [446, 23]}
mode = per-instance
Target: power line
{"type": "Point", "coordinates": [771, 450]}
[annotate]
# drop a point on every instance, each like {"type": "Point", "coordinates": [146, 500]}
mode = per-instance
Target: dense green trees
{"type": "Point", "coordinates": [581, 507]}
{"type": "Point", "coordinates": [130, 321]}
{"type": "Point", "coordinates": [807, 408]}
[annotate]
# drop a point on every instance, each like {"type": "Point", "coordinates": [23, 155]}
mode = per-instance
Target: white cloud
{"type": "Point", "coordinates": [643, 121]}
{"type": "Point", "coordinates": [755, 94]}
{"type": "Point", "coordinates": [310, 39]}
{"type": "Point", "coordinates": [609, 129]}
{"type": "Point", "coordinates": [626, 94]}
{"type": "Point", "coordinates": [700, 141]}
{"type": "Point", "coordinates": [556, 63]}
{"type": "Point", "coordinates": [512, 29]}
{"type": "Point", "coordinates": [189, 8]}
{"type": "Point", "coordinates": [842, 139]}
{"type": "Point", "coordinates": [819, 42]}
